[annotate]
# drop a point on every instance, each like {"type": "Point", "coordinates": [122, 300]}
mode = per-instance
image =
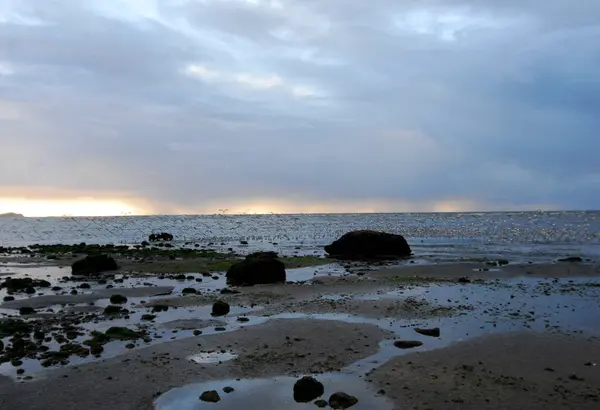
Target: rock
{"type": "Point", "coordinates": [228, 389]}
{"type": "Point", "coordinates": [96, 349]}
{"type": "Point", "coordinates": [162, 236]}
{"type": "Point", "coordinates": [93, 264]}
{"type": "Point", "coordinates": [118, 299]}
{"type": "Point", "coordinates": [188, 291]}
{"type": "Point", "coordinates": [114, 310]}
{"type": "Point", "coordinates": [434, 332]}
{"type": "Point", "coordinates": [308, 389]}
{"type": "Point", "coordinates": [122, 333]}
{"type": "Point", "coordinates": [571, 259]}
{"type": "Point", "coordinates": [129, 346]}
{"type": "Point", "coordinates": [210, 396]}
{"type": "Point", "coordinates": [148, 317]}
{"type": "Point", "coordinates": [464, 280]}
{"type": "Point", "coordinates": [85, 286]}
{"type": "Point", "coordinates": [160, 308]}
{"type": "Point", "coordinates": [26, 310]}
{"type": "Point", "coordinates": [197, 332]}
{"type": "Point", "coordinates": [243, 319]}
{"type": "Point", "coordinates": [321, 404]}
{"type": "Point", "coordinates": [342, 400]}
{"type": "Point", "coordinates": [257, 268]}
{"type": "Point", "coordinates": [368, 245]}
{"type": "Point", "coordinates": [8, 298]}
{"type": "Point", "coordinates": [228, 291]}
{"type": "Point", "coordinates": [220, 308]}
{"type": "Point", "coordinates": [145, 243]}
{"type": "Point", "coordinates": [407, 344]}
{"type": "Point", "coordinates": [27, 285]}
{"type": "Point", "coordinates": [1, 345]}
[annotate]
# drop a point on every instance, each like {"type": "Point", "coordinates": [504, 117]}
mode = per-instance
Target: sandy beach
{"type": "Point", "coordinates": [511, 336]}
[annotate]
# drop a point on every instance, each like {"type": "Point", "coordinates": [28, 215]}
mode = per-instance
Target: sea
{"type": "Point", "coordinates": [434, 237]}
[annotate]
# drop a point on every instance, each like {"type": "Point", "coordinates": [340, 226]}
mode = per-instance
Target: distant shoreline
{"type": "Point", "coordinates": [11, 215]}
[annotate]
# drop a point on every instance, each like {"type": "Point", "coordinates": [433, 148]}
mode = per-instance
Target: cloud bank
{"type": "Point", "coordinates": [316, 105]}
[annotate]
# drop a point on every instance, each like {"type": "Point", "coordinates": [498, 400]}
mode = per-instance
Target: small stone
{"type": "Point", "coordinates": [321, 403]}
{"type": "Point", "coordinates": [228, 389]}
{"type": "Point", "coordinates": [129, 346]}
{"type": "Point", "coordinates": [148, 317]}
{"type": "Point", "coordinates": [189, 291]}
{"type": "Point", "coordinates": [464, 280]}
{"type": "Point", "coordinates": [118, 299]}
{"type": "Point", "coordinates": [434, 332]}
{"type": "Point", "coordinates": [197, 332]}
{"type": "Point", "coordinates": [407, 344]}
{"type": "Point", "coordinates": [26, 310]}
{"type": "Point", "coordinates": [220, 308]}
{"type": "Point", "coordinates": [243, 319]}
{"type": "Point", "coordinates": [210, 396]}
{"type": "Point", "coordinates": [342, 400]}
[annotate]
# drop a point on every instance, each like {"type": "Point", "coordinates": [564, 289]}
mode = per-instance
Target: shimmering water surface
{"type": "Point", "coordinates": [437, 236]}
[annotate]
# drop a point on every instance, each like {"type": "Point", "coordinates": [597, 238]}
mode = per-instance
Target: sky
{"type": "Point", "coordinates": [112, 107]}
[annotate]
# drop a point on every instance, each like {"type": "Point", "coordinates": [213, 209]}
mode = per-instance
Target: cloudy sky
{"type": "Point", "coordinates": [184, 106]}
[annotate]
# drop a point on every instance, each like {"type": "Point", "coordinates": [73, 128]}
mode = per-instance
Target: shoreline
{"type": "Point", "coordinates": [338, 312]}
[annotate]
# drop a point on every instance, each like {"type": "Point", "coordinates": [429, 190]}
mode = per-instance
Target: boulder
{"type": "Point", "coordinates": [342, 400]}
{"type": "Point", "coordinates": [257, 268]}
{"type": "Point", "coordinates": [433, 332]}
{"type": "Point", "coordinates": [93, 264]}
{"type": "Point", "coordinates": [118, 299]}
{"type": "Point", "coordinates": [162, 236]}
{"type": "Point", "coordinates": [368, 245]}
{"type": "Point", "coordinates": [308, 389]}
{"type": "Point", "coordinates": [407, 344]}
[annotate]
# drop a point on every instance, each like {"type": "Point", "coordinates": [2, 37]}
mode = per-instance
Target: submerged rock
{"type": "Point", "coordinates": [366, 245]}
{"type": "Point", "coordinates": [220, 308]}
{"type": "Point", "coordinates": [228, 389]}
{"type": "Point", "coordinates": [341, 400]}
{"type": "Point", "coordinates": [308, 389]}
{"type": "Point", "coordinates": [210, 396]}
{"type": "Point", "coordinates": [93, 264]}
{"type": "Point", "coordinates": [26, 285]}
{"type": "Point", "coordinates": [433, 332]}
{"type": "Point", "coordinates": [122, 333]}
{"type": "Point", "coordinates": [407, 344]}
{"type": "Point", "coordinates": [257, 268]}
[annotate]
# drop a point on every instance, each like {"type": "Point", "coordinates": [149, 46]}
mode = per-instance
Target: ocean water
{"type": "Point", "coordinates": [517, 236]}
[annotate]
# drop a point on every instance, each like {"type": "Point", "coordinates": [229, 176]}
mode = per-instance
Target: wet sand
{"type": "Point", "coordinates": [506, 371]}
{"type": "Point", "coordinates": [346, 320]}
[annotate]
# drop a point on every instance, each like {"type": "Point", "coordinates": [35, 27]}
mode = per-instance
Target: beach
{"type": "Point", "coordinates": [492, 333]}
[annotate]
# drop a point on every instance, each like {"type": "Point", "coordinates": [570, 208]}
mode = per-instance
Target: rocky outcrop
{"type": "Point", "coordinates": [162, 236]}
{"type": "Point", "coordinates": [308, 389]}
{"type": "Point", "coordinates": [257, 268]}
{"type": "Point", "coordinates": [369, 245]}
{"type": "Point", "coordinates": [93, 264]}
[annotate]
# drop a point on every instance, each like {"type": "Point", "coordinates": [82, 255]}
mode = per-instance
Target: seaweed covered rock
{"type": "Point", "coordinates": [23, 284]}
{"type": "Point", "coordinates": [93, 264]}
{"type": "Point", "coordinates": [368, 245]}
{"type": "Point", "coordinates": [162, 236]}
{"type": "Point", "coordinates": [257, 268]}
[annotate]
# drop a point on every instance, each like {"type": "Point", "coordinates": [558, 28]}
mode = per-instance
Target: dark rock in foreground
{"type": "Point", "coordinates": [220, 308]}
{"type": "Point", "coordinates": [210, 396]}
{"type": "Point", "coordinates": [93, 264]}
{"type": "Point", "coordinates": [342, 400]}
{"type": "Point", "coordinates": [118, 299]}
{"type": "Point", "coordinates": [307, 389]}
{"type": "Point", "coordinates": [24, 284]}
{"type": "Point", "coordinates": [257, 268]}
{"type": "Point", "coordinates": [407, 344]}
{"type": "Point", "coordinates": [368, 245]}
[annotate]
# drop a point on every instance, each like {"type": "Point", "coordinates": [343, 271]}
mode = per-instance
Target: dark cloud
{"type": "Point", "coordinates": [187, 104]}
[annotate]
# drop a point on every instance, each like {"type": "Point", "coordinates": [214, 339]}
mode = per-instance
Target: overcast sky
{"type": "Point", "coordinates": [313, 105]}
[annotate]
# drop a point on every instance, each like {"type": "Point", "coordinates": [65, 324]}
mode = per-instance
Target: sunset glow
{"type": "Point", "coordinates": [62, 207]}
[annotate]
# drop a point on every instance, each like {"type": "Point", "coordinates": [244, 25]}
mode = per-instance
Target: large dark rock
{"type": "Point", "coordinates": [220, 308]}
{"type": "Point", "coordinates": [307, 389]}
{"type": "Point", "coordinates": [162, 236]}
{"type": "Point", "coordinates": [361, 245]}
{"type": "Point", "coordinates": [93, 264]}
{"type": "Point", "coordinates": [257, 268]}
